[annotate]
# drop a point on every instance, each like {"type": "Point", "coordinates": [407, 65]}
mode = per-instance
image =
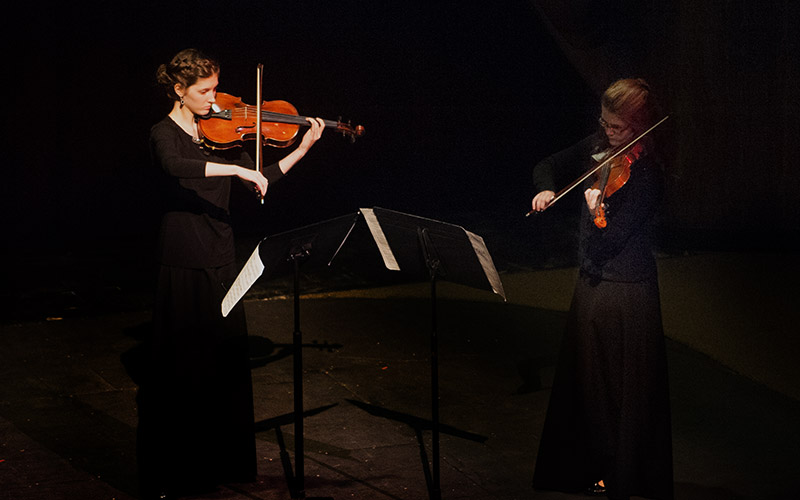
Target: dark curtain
{"type": "Point", "coordinates": [727, 71]}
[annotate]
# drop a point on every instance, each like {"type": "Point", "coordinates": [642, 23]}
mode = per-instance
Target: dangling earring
{"type": "Point", "coordinates": [181, 101]}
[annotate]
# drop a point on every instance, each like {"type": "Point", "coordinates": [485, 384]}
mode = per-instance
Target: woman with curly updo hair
{"type": "Point", "coordinates": [196, 427]}
{"type": "Point", "coordinates": [607, 429]}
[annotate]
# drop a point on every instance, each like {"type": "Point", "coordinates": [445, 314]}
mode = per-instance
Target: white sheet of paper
{"type": "Point", "coordinates": [252, 270]}
{"type": "Point", "coordinates": [380, 239]}
{"type": "Point", "coordinates": [486, 263]}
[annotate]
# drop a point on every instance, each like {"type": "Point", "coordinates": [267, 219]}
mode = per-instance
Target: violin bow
{"type": "Point", "coordinates": [259, 145]}
{"type": "Point", "coordinates": [591, 171]}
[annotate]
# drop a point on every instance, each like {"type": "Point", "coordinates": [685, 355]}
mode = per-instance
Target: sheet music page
{"type": "Point", "coordinates": [486, 263]}
{"type": "Point", "coordinates": [380, 239]}
{"type": "Point", "coordinates": [251, 271]}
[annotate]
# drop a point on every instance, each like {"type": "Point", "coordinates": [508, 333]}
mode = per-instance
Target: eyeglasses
{"type": "Point", "coordinates": [616, 128]}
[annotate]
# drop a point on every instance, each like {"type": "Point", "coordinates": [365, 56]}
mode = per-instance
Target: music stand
{"type": "Point", "coordinates": [426, 247]}
{"type": "Point", "coordinates": [313, 247]}
{"type": "Point", "coordinates": [408, 243]}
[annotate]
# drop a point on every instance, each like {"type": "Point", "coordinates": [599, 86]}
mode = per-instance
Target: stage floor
{"type": "Point", "coordinates": [68, 414]}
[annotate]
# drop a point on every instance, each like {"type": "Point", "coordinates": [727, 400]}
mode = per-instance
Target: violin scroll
{"type": "Point", "coordinates": [600, 217]}
{"type": "Point", "coordinates": [349, 131]}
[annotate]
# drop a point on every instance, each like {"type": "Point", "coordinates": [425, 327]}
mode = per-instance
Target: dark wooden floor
{"type": "Point", "coordinates": [68, 415]}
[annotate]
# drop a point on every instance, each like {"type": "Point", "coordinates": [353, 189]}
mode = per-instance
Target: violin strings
{"type": "Point", "coordinates": [278, 117]}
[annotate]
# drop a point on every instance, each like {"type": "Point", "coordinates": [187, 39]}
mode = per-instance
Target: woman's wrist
{"type": "Point", "coordinates": [222, 170]}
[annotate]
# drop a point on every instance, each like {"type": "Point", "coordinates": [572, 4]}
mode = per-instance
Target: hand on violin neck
{"type": "Point", "coordinates": [313, 134]}
{"type": "Point", "coordinates": [592, 196]}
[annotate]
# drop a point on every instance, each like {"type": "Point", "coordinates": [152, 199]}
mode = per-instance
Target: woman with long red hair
{"type": "Point", "coordinates": [607, 429]}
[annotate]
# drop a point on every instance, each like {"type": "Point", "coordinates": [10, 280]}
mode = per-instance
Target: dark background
{"type": "Point", "coordinates": [459, 100]}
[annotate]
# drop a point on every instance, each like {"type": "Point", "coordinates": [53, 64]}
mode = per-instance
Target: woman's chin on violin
{"type": "Point", "coordinates": [198, 98]}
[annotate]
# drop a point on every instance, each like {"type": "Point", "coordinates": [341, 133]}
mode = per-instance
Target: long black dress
{"type": "Point", "coordinates": [609, 413]}
{"type": "Point", "coordinates": [196, 425]}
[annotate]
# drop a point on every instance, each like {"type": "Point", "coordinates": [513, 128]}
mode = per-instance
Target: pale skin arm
{"type": "Point", "coordinates": [285, 164]}
{"type": "Point", "coordinates": [252, 176]}
{"type": "Point", "coordinates": [543, 199]}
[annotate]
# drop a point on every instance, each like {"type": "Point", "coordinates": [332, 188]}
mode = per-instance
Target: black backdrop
{"type": "Point", "coordinates": [459, 99]}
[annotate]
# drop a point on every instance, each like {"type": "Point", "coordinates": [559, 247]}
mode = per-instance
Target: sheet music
{"type": "Point", "coordinates": [252, 270]}
{"type": "Point", "coordinates": [389, 259]}
{"type": "Point", "coordinates": [486, 263]}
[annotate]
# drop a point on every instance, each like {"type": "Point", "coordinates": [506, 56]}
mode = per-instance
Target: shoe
{"type": "Point", "coordinates": [595, 490]}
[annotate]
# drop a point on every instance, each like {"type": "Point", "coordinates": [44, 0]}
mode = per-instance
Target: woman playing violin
{"type": "Point", "coordinates": [607, 429]}
{"type": "Point", "coordinates": [195, 406]}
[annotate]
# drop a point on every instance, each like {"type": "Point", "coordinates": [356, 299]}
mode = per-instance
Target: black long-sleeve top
{"type": "Point", "coordinates": [195, 226]}
{"type": "Point", "coordinates": [622, 251]}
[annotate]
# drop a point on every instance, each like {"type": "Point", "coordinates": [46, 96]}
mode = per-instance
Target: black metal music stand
{"type": "Point", "coordinates": [414, 245]}
{"type": "Point", "coordinates": [313, 247]}
{"type": "Point", "coordinates": [438, 250]}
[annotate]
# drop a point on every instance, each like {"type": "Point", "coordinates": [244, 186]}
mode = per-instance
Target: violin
{"type": "Point", "coordinates": [612, 177]}
{"type": "Point", "coordinates": [231, 121]}
{"type": "Point", "coordinates": [614, 172]}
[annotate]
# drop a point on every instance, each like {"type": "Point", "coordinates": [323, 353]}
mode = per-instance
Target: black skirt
{"type": "Point", "coordinates": [609, 413]}
{"type": "Point", "coordinates": [196, 425]}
